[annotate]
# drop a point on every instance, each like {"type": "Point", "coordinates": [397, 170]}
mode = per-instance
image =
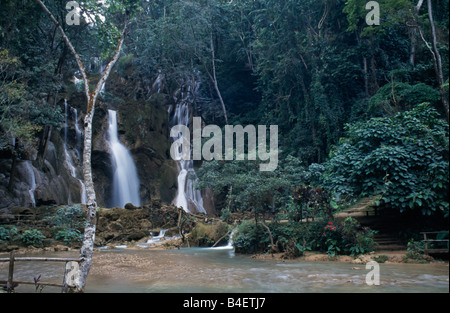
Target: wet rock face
{"type": "Point", "coordinates": [143, 125]}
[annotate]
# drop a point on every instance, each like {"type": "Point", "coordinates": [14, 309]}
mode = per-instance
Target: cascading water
{"type": "Point", "coordinates": [68, 159]}
{"type": "Point", "coordinates": [125, 182]}
{"type": "Point", "coordinates": [188, 197]}
{"type": "Point", "coordinates": [78, 132]}
{"type": "Point", "coordinates": [31, 181]}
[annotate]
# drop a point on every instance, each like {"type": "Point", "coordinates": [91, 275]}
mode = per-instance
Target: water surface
{"type": "Point", "coordinates": [221, 271]}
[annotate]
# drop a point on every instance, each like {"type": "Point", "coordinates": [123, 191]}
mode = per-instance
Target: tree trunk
{"type": "Point", "coordinates": [273, 249]}
{"type": "Point", "coordinates": [366, 77]}
{"type": "Point", "coordinates": [438, 61]}
{"type": "Point", "coordinates": [214, 79]}
{"type": "Point", "coordinates": [87, 249]}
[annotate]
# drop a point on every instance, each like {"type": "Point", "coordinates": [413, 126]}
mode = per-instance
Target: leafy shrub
{"type": "Point", "coordinates": [68, 217]}
{"type": "Point", "coordinates": [401, 96]}
{"type": "Point", "coordinates": [416, 252]}
{"type": "Point", "coordinates": [347, 238]}
{"type": "Point", "coordinates": [69, 236]}
{"type": "Point", "coordinates": [7, 233]}
{"type": "Point", "coordinates": [66, 224]}
{"type": "Point", "coordinates": [381, 258]}
{"type": "Point", "coordinates": [404, 159]}
{"type": "Point", "coordinates": [32, 237]}
{"type": "Point", "coordinates": [4, 234]}
{"type": "Point", "coordinates": [250, 238]}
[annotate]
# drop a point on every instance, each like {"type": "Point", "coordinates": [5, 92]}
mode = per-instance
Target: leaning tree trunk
{"type": "Point", "coordinates": [87, 249]}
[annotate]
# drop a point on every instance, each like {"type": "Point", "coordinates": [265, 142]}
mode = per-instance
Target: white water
{"type": "Point", "coordinates": [68, 159]}
{"type": "Point", "coordinates": [31, 181]}
{"type": "Point", "coordinates": [158, 238]}
{"type": "Point", "coordinates": [187, 196]}
{"type": "Point", "coordinates": [230, 245]}
{"type": "Point", "coordinates": [78, 132]}
{"type": "Point", "coordinates": [125, 182]}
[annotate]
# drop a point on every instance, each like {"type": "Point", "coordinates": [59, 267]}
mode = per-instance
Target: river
{"type": "Point", "coordinates": [221, 271]}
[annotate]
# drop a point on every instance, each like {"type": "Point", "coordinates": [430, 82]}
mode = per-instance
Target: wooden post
{"type": "Point", "coordinates": [426, 243]}
{"type": "Point", "coordinates": [11, 271]}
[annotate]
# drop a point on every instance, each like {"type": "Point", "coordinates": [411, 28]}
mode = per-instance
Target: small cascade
{"type": "Point", "coordinates": [31, 181]}
{"type": "Point", "coordinates": [158, 238]}
{"type": "Point", "coordinates": [126, 183]}
{"type": "Point", "coordinates": [230, 245]}
{"type": "Point", "coordinates": [78, 132]}
{"type": "Point", "coordinates": [79, 83]}
{"type": "Point", "coordinates": [187, 197]}
{"type": "Point", "coordinates": [68, 158]}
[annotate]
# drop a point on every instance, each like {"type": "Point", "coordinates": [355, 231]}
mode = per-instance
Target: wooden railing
{"type": "Point", "coordinates": [427, 241]}
{"type": "Point", "coordinates": [69, 274]}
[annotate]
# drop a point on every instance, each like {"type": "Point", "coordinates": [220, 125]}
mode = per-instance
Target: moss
{"type": "Point", "coordinates": [206, 235]}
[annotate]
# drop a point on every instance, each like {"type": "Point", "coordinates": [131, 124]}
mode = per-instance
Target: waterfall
{"type": "Point", "coordinates": [31, 181]}
{"type": "Point", "coordinates": [78, 132]}
{"type": "Point", "coordinates": [125, 182]}
{"type": "Point", "coordinates": [187, 196]}
{"type": "Point", "coordinates": [68, 159]}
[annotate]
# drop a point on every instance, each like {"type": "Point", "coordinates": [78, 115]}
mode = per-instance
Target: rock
{"type": "Point", "coordinates": [115, 227]}
{"type": "Point", "coordinates": [130, 207]}
{"type": "Point", "coordinates": [363, 259]}
{"type": "Point", "coordinates": [12, 248]}
{"type": "Point", "coordinates": [61, 248]}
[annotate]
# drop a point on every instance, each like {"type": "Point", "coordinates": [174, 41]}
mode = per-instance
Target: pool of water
{"type": "Point", "coordinates": [221, 271]}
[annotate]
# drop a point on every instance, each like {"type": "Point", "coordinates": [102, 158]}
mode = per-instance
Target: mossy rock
{"type": "Point", "coordinates": [206, 235]}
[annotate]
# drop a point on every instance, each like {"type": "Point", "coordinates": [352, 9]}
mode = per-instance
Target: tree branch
{"type": "Point", "coordinates": [71, 48]}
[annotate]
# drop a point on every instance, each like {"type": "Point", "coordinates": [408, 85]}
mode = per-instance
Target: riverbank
{"type": "Point", "coordinates": [387, 257]}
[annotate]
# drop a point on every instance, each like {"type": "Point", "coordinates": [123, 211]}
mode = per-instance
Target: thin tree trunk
{"type": "Point", "coordinates": [214, 79]}
{"type": "Point", "coordinates": [438, 59]}
{"type": "Point", "coordinates": [273, 249]}
{"type": "Point", "coordinates": [87, 249]}
{"type": "Point", "coordinates": [366, 77]}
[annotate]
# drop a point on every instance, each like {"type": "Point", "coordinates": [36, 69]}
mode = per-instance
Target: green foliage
{"type": "Point", "coordinates": [69, 236]}
{"type": "Point", "coordinates": [67, 223]}
{"type": "Point", "coordinates": [4, 234]}
{"type": "Point", "coordinates": [69, 217]}
{"type": "Point", "coordinates": [32, 237]}
{"type": "Point", "coordinates": [347, 237]}
{"type": "Point", "coordinates": [404, 159]}
{"type": "Point", "coordinates": [381, 258]}
{"type": "Point", "coordinates": [397, 97]}
{"type": "Point", "coordinates": [250, 238]}
{"type": "Point", "coordinates": [416, 252]}
{"type": "Point", "coordinates": [391, 13]}
{"type": "Point", "coordinates": [253, 190]}
{"type": "Point", "coordinates": [7, 233]}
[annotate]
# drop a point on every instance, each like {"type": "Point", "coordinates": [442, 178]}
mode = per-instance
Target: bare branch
{"type": "Point", "coordinates": [71, 48]}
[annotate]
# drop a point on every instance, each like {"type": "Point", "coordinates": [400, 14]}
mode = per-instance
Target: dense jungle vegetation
{"type": "Point", "coordinates": [362, 109]}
